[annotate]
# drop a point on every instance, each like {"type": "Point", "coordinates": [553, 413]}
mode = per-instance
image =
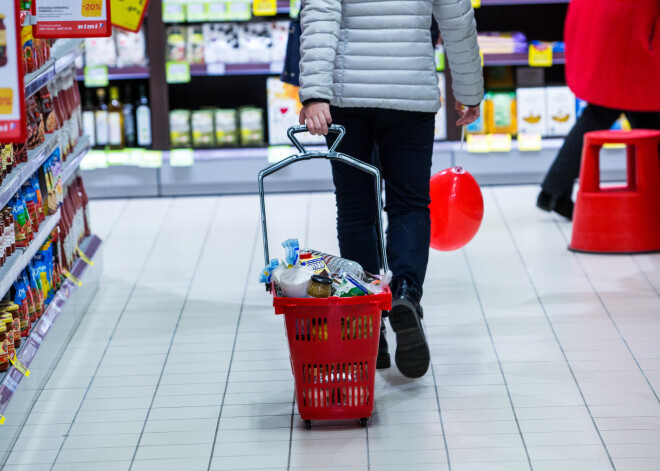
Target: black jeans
{"type": "Point", "coordinates": [566, 167]}
{"type": "Point", "coordinates": [405, 151]}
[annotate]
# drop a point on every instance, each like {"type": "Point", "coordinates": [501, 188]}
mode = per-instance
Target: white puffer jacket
{"type": "Point", "coordinates": [378, 53]}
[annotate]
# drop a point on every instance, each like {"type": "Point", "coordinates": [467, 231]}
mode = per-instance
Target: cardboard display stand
{"type": "Point", "coordinates": [71, 19]}
{"type": "Point", "coordinates": [13, 127]}
{"type": "Point", "coordinates": [129, 14]}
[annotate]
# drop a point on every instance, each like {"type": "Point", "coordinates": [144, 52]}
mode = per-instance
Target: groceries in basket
{"type": "Point", "coordinates": [308, 273]}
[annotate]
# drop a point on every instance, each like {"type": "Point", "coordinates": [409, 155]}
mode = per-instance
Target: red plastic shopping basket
{"type": "Point", "coordinates": [333, 342]}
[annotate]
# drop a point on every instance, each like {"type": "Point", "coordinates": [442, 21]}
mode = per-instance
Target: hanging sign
{"type": "Point", "coordinates": [128, 14]}
{"type": "Point", "coordinates": [71, 19]}
{"type": "Point", "coordinates": [13, 127]}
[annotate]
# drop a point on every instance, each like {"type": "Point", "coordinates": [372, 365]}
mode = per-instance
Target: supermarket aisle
{"type": "Point", "coordinates": [542, 359]}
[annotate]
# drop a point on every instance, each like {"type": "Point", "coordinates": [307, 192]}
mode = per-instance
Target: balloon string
{"type": "Point", "coordinates": [460, 148]}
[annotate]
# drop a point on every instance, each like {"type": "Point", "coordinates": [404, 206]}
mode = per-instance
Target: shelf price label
{"type": "Point", "coordinates": [196, 11]}
{"type": "Point", "coordinates": [19, 366]}
{"type": "Point", "coordinates": [294, 8]}
{"type": "Point", "coordinates": [128, 14]}
{"type": "Point", "coordinates": [13, 123]}
{"type": "Point", "coordinates": [216, 10]}
{"type": "Point", "coordinates": [96, 76]}
{"type": "Point", "coordinates": [440, 59]}
{"type": "Point", "coordinates": [476, 3]}
{"type": "Point", "coordinates": [530, 142]}
{"type": "Point", "coordinates": [264, 7]}
{"type": "Point", "coordinates": [72, 19]}
{"type": "Point", "coordinates": [151, 159]}
{"type": "Point", "coordinates": [540, 55]}
{"type": "Point", "coordinates": [478, 143]}
{"type": "Point", "coordinates": [499, 142]}
{"type": "Point", "coordinates": [182, 158]}
{"type": "Point", "coordinates": [177, 72]}
{"type": "Point", "coordinates": [173, 11]}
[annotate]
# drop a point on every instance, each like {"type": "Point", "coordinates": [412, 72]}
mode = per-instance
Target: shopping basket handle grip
{"type": "Point", "coordinates": [293, 130]}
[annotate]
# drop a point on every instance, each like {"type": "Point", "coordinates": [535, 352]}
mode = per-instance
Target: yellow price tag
{"type": "Point", "coordinates": [476, 3]}
{"type": "Point", "coordinates": [481, 54]}
{"type": "Point", "coordinates": [264, 7]}
{"type": "Point", "coordinates": [19, 366]}
{"type": "Point", "coordinates": [6, 101]}
{"type": "Point", "coordinates": [540, 55]}
{"type": "Point", "coordinates": [84, 257]}
{"type": "Point", "coordinates": [73, 279]}
{"type": "Point", "coordinates": [92, 8]}
{"type": "Point", "coordinates": [128, 14]}
{"type": "Point", "coordinates": [499, 142]}
{"type": "Point", "coordinates": [2, 419]}
{"type": "Point", "coordinates": [478, 143]}
{"type": "Point", "coordinates": [530, 142]}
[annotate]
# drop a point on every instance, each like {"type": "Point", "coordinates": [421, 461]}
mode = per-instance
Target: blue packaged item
{"type": "Point", "coordinates": [292, 249]}
{"type": "Point", "coordinates": [267, 272]}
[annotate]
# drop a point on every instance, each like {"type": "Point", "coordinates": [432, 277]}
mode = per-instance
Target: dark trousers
{"type": "Point", "coordinates": [405, 151]}
{"type": "Point", "coordinates": [566, 167]}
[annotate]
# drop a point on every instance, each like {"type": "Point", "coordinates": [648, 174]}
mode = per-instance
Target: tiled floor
{"type": "Point", "coordinates": [542, 359]}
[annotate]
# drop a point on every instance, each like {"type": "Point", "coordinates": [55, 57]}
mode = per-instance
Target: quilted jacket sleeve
{"type": "Point", "coordinates": [320, 21]}
{"type": "Point", "coordinates": [459, 34]}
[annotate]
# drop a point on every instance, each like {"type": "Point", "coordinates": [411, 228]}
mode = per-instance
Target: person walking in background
{"type": "Point", "coordinates": [369, 66]}
{"type": "Point", "coordinates": [613, 63]}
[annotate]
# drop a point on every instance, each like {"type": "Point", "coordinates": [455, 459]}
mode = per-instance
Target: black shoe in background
{"type": "Point", "coordinates": [563, 205]}
{"type": "Point", "coordinates": [383, 360]}
{"type": "Point", "coordinates": [412, 351]}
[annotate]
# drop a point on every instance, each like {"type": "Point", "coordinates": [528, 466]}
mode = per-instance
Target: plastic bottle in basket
{"type": "Point", "coordinates": [339, 266]}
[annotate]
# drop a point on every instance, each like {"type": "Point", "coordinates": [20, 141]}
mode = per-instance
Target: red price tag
{"type": "Point", "coordinates": [13, 123]}
{"type": "Point", "coordinates": [72, 19]}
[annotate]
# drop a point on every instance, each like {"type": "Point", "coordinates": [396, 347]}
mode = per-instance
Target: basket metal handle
{"type": "Point", "coordinates": [331, 154]}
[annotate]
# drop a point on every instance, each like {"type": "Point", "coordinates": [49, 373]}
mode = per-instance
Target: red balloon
{"type": "Point", "coordinates": [457, 209]}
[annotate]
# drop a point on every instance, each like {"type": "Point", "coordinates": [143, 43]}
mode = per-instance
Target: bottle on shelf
{"type": "Point", "coordinates": [115, 120]}
{"type": "Point", "coordinates": [88, 120]}
{"type": "Point", "coordinates": [129, 118]}
{"type": "Point", "coordinates": [143, 119]}
{"type": "Point", "coordinates": [101, 119]}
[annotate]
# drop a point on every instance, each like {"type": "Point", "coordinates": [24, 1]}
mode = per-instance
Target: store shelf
{"type": "Point", "coordinates": [73, 161]}
{"type": "Point", "coordinates": [31, 345]}
{"type": "Point", "coordinates": [63, 54]}
{"type": "Point", "coordinates": [19, 260]}
{"type": "Point", "coordinates": [518, 58]}
{"type": "Point", "coordinates": [203, 70]}
{"type": "Point", "coordinates": [120, 73]}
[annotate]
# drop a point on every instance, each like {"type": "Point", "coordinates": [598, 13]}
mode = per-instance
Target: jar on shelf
{"type": "Point", "coordinates": [7, 321]}
{"type": "Point", "coordinates": [4, 349]}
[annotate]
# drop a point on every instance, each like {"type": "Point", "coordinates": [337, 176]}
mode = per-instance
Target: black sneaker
{"type": "Point", "coordinates": [563, 205]}
{"type": "Point", "coordinates": [412, 351]}
{"type": "Point", "coordinates": [383, 360]}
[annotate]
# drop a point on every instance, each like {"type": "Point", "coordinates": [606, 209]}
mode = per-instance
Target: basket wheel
{"type": "Point", "coordinates": [363, 421]}
{"type": "Point", "coordinates": [308, 424]}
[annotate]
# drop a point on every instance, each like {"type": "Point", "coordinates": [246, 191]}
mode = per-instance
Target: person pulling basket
{"type": "Point", "coordinates": [369, 66]}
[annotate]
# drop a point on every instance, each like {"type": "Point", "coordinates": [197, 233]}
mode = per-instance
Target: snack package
{"type": "Point", "coordinates": [176, 43]}
{"type": "Point", "coordinates": [20, 298]}
{"type": "Point", "coordinates": [315, 262]}
{"type": "Point", "coordinates": [131, 48]}
{"type": "Point", "coordinates": [226, 128]}
{"type": "Point", "coordinates": [291, 250]}
{"type": "Point", "coordinates": [279, 33]}
{"type": "Point", "coordinates": [532, 111]}
{"type": "Point", "coordinates": [255, 43]}
{"type": "Point", "coordinates": [180, 128]}
{"type": "Point", "coordinates": [252, 126]}
{"type": "Point", "coordinates": [221, 43]}
{"type": "Point", "coordinates": [195, 44]}
{"type": "Point", "coordinates": [267, 272]}
{"type": "Point", "coordinates": [203, 135]}
{"type": "Point", "coordinates": [100, 51]}
{"type": "Point", "coordinates": [20, 221]}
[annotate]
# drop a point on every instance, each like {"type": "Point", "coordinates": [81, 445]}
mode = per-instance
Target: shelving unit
{"type": "Point", "coordinates": [64, 53]}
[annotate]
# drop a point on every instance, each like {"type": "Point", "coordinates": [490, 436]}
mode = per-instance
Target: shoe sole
{"type": "Point", "coordinates": [412, 356]}
{"type": "Point", "coordinates": [383, 361]}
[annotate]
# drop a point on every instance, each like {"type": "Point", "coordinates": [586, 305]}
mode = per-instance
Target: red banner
{"type": "Point", "coordinates": [13, 125]}
{"type": "Point", "coordinates": [72, 19]}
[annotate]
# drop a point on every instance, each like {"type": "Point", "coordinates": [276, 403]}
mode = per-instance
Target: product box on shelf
{"type": "Point", "coordinates": [252, 126]}
{"type": "Point", "coordinates": [283, 110]}
{"type": "Point", "coordinates": [561, 110]}
{"type": "Point", "coordinates": [440, 132]}
{"type": "Point", "coordinates": [226, 128]}
{"type": "Point", "coordinates": [532, 111]}
{"type": "Point", "coordinates": [501, 113]}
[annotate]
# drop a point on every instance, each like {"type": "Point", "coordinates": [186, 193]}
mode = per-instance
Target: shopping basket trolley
{"type": "Point", "coordinates": [333, 342]}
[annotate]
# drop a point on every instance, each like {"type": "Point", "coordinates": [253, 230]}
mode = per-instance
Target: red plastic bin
{"type": "Point", "coordinates": [333, 343]}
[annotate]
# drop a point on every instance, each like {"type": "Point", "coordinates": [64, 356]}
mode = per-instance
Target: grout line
{"type": "Point", "coordinates": [366, 430]}
{"type": "Point", "coordinates": [497, 355]}
{"type": "Point", "coordinates": [442, 424]}
{"type": "Point", "coordinates": [293, 405]}
{"type": "Point", "coordinates": [169, 349]}
{"type": "Point", "coordinates": [609, 315]}
{"type": "Point", "coordinates": [646, 277]}
{"type": "Point", "coordinates": [552, 327]}
{"type": "Point", "coordinates": [112, 334]}
{"type": "Point", "coordinates": [233, 350]}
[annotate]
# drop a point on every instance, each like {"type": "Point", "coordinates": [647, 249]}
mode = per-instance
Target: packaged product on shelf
{"type": "Point", "coordinates": [239, 10]}
{"type": "Point", "coordinates": [131, 48]}
{"type": "Point", "coordinates": [202, 129]}
{"type": "Point", "coordinates": [47, 111]}
{"type": "Point", "coordinates": [255, 43]}
{"type": "Point", "coordinates": [8, 322]}
{"type": "Point", "coordinates": [8, 233]}
{"type": "Point", "coordinates": [180, 128]}
{"type": "Point", "coordinates": [195, 44]}
{"type": "Point", "coordinates": [176, 43]}
{"type": "Point", "coordinates": [101, 118]}
{"type": "Point", "coordinates": [30, 198]}
{"type": "Point", "coordinates": [532, 111]}
{"type": "Point", "coordinates": [143, 118]}
{"type": "Point", "coordinates": [41, 265]}
{"type": "Point", "coordinates": [35, 124]}
{"type": "Point", "coordinates": [221, 43]}
{"type": "Point", "coordinates": [100, 51]}
{"type": "Point", "coordinates": [88, 121]}
{"type": "Point", "coordinates": [20, 298]}
{"type": "Point", "coordinates": [84, 201]}
{"type": "Point", "coordinates": [440, 130]}
{"type": "Point", "coordinates": [29, 61]}
{"type": "Point", "coordinates": [499, 78]}
{"type": "Point", "coordinates": [12, 314]}
{"type": "Point", "coordinates": [116, 137]}
{"type": "Point", "coordinates": [35, 287]}
{"type": "Point", "coordinates": [4, 349]}
{"type": "Point", "coordinates": [226, 128]}
{"type": "Point", "coordinates": [252, 126]}
{"type": "Point", "coordinates": [3, 247]}
{"type": "Point", "coordinates": [128, 112]}
{"type": "Point", "coordinates": [20, 221]}
{"type": "Point", "coordinates": [279, 32]}
{"type": "Point", "coordinates": [501, 113]}
{"type": "Point", "coordinates": [561, 110]}
{"type": "Point", "coordinates": [29, 295]}
{"type": "Point", "coordinates": [283, 110]}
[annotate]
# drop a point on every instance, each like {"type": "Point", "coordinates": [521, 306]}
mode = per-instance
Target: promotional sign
{"type": "Point", "coordinates": [129, 14]}
{"type": "Point", "coordinates": [72, 19]}
{"type": "Point", "coordinates": [13, 127]}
